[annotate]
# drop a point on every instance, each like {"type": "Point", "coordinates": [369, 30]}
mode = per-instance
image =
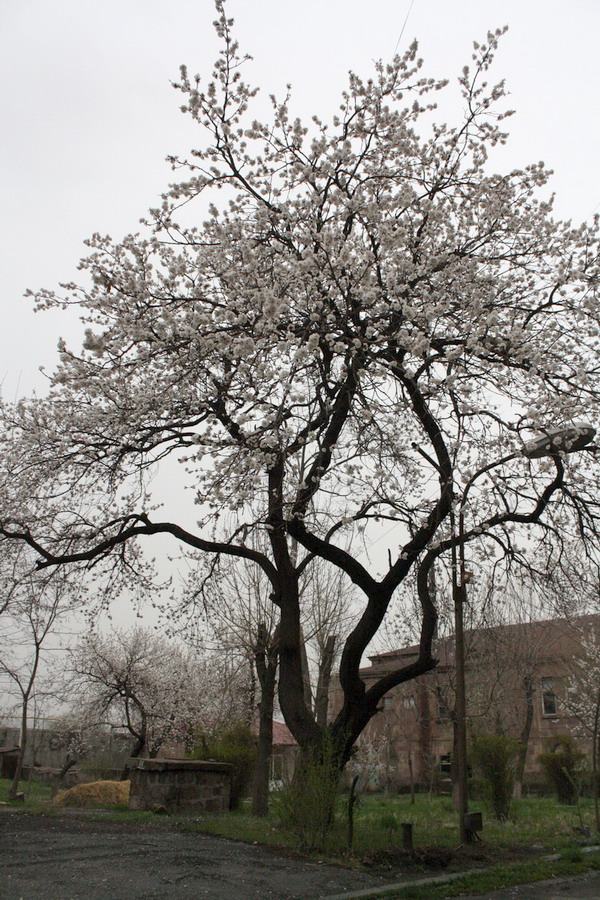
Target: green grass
{"type": "Point", "coordinates": [539, 821]}
{"type": "Point", "coordinates": [539, 826]}
{"type": "Point", "coordinates": [241, 826]}
{"type": "Point", "coordinates": [37, 793]}
{"type": "Point", "coordinates": [495, 878]}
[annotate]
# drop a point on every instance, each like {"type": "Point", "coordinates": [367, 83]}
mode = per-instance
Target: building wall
{"type": "Point", "coordinates": [108, 750]}
{"type": "Point", "coordinates": [506, 668]}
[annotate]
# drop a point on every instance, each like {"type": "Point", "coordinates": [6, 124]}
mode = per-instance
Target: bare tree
{"type": "Point", "coordinates": [37, 604]}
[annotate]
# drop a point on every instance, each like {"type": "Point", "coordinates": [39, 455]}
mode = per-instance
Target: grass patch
{"type": "Point", "coordinates": [539, 825]}
{"type": "Point", "coordinates": [37, 793]}
{"type": "Point", "coordinates": [241, 826]}
{"type": "Point", "coordinates": [496, 878]}
{"type": "Point", "coordinates": [541, 822]}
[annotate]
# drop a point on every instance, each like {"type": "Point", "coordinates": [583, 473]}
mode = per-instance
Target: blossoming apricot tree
{"type": "Point", "coordinates": [157, 691]}
{"type": "Point", "coordinates": [369, 318]}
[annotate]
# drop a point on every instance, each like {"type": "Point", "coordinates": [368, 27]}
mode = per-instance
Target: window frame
{"type": "Point", "coordinates": [549, 698]}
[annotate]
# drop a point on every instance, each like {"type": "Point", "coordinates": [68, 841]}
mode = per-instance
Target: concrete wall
{"type": "Point", "coordinates": [110, 750]}
{"type": "Point", "coordinates": [179, 785]}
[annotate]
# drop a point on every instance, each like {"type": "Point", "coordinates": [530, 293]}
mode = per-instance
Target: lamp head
{"type": "Point", "coordinates": [566, 439]}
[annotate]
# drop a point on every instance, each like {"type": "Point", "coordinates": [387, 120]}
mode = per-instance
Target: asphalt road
{"type": "Point", "coordinates": [80, 858]}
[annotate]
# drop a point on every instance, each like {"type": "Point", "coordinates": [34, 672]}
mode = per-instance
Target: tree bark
{"type": "Point", "coordinates": [524, 738]}
{"type": "Point", "coordinates": [322, 696]}
{"type": "Point", "coordinates": [305, 670]}
{"type": "Point", "coordinates": [266, 660]}
{"type": "Point", "coordinates": [14, 788]}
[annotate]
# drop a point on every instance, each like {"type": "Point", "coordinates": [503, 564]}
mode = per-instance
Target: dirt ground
{"type": "Point", "coordinates": [80, 858]}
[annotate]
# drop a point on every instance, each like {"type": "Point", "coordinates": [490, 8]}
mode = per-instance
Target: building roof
{"type": "Point", "coordinates": [282, 736]}
{"type": "Point", "coordinates": [550, 637]}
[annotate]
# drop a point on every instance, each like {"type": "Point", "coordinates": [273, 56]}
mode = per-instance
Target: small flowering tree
{"type": "Point", "coordinates": [74, 735]}
{"type": "Point", "coordinates": [150, 687]}
{"type": "Point", "coordinates": [367, 329]}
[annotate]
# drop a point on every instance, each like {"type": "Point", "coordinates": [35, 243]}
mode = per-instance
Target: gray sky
{"type": "Point", "coordinates": [88, 114]}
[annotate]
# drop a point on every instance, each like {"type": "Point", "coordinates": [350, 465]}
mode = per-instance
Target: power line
{"type": "Point", "coordinates": [403, 27]}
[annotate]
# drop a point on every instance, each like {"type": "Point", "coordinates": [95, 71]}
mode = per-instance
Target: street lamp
{"type": "Point", "coordinates": [556, 440]}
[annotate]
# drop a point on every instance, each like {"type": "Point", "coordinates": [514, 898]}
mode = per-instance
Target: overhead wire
{"type": "Point", "coordinates": [403, 27]}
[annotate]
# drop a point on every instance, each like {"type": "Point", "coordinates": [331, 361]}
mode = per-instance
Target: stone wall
{"type": "Point", "coordinates": [179, 785]}
{"type": "Point", "coordinates": [108, 749]}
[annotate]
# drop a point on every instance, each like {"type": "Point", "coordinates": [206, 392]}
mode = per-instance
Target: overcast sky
{"type": "Point", "coordinates": [88, 113]}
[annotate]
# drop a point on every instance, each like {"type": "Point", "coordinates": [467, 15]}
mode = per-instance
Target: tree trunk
{"type": "Point", "coordinates": [454, 766]}
{"type": "Point", "coordinates": [266, 658]}
{"type": "Point", "coordinates": [595, 754]}
{"type": "Point", "coordinates": [14, 788]}
{"type": "Point", "coordinates": [322, 696]}
{"type": "Point", "coordinates": [137, 751]}
{"type": "Point", "coordinates": [68, 764]}
{"type": "Point", "coordinates": [524, 739]}
{"type": "Point", "coordinates": [305, 671]}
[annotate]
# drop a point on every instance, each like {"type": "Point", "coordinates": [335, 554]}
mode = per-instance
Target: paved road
{"type": "Point", "coordinates": [47, 858]}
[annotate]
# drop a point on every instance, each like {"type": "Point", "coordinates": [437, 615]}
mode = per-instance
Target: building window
{"type": "Point", "coordinates": [549, 704]}
{"type": "Point", "coordinates": [388, 702]}
{"type": "Point", "coordinates": [408, 702]}
{"type": "Point", "coordinates": [276, 767]}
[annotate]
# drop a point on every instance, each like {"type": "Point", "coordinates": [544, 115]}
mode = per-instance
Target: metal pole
{"type": "Point", "coordinates": [460, 705]}
{"type": "Point", "coordinates": [567, 440]}
{"type": "Point", "coordinates": [461, 708]}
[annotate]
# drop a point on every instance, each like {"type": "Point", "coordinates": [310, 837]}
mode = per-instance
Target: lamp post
{"type": "Point", "coordinates": [550, 443]}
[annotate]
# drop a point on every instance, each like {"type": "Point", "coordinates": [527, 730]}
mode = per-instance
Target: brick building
{"type": "Point", "coordinates": [517, 679]}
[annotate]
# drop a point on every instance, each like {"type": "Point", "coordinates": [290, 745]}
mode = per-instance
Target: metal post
{"type": "Point", "coordinates": [557, 440]}
{"type": "Point", "coordinates": [461, 712]}
{"type": "Point", "coordinates": [460, 707]}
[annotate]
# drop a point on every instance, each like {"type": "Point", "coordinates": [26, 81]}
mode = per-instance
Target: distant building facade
{"type": "Point", "coordinates": [518, 679]}
{"type": "Point", "coordinates": [284, 755]}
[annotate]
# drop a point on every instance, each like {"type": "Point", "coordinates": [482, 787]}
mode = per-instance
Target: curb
{"type": "Point", "coordinates": [384, 890]}
{"type": "Point", "coordinates": [396, 886]}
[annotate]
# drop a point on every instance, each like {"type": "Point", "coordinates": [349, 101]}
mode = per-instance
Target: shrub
{"type": "Point", "coordinates": [306, 806]}
{"type": "Point", "coordinates": [562, 768]}
{"type": "Point", "coordinates": [235, 745]}
{"type": "Point", "coordinates": [389, 823]}
{"type": "Point", "coordinates": [494, 757]}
